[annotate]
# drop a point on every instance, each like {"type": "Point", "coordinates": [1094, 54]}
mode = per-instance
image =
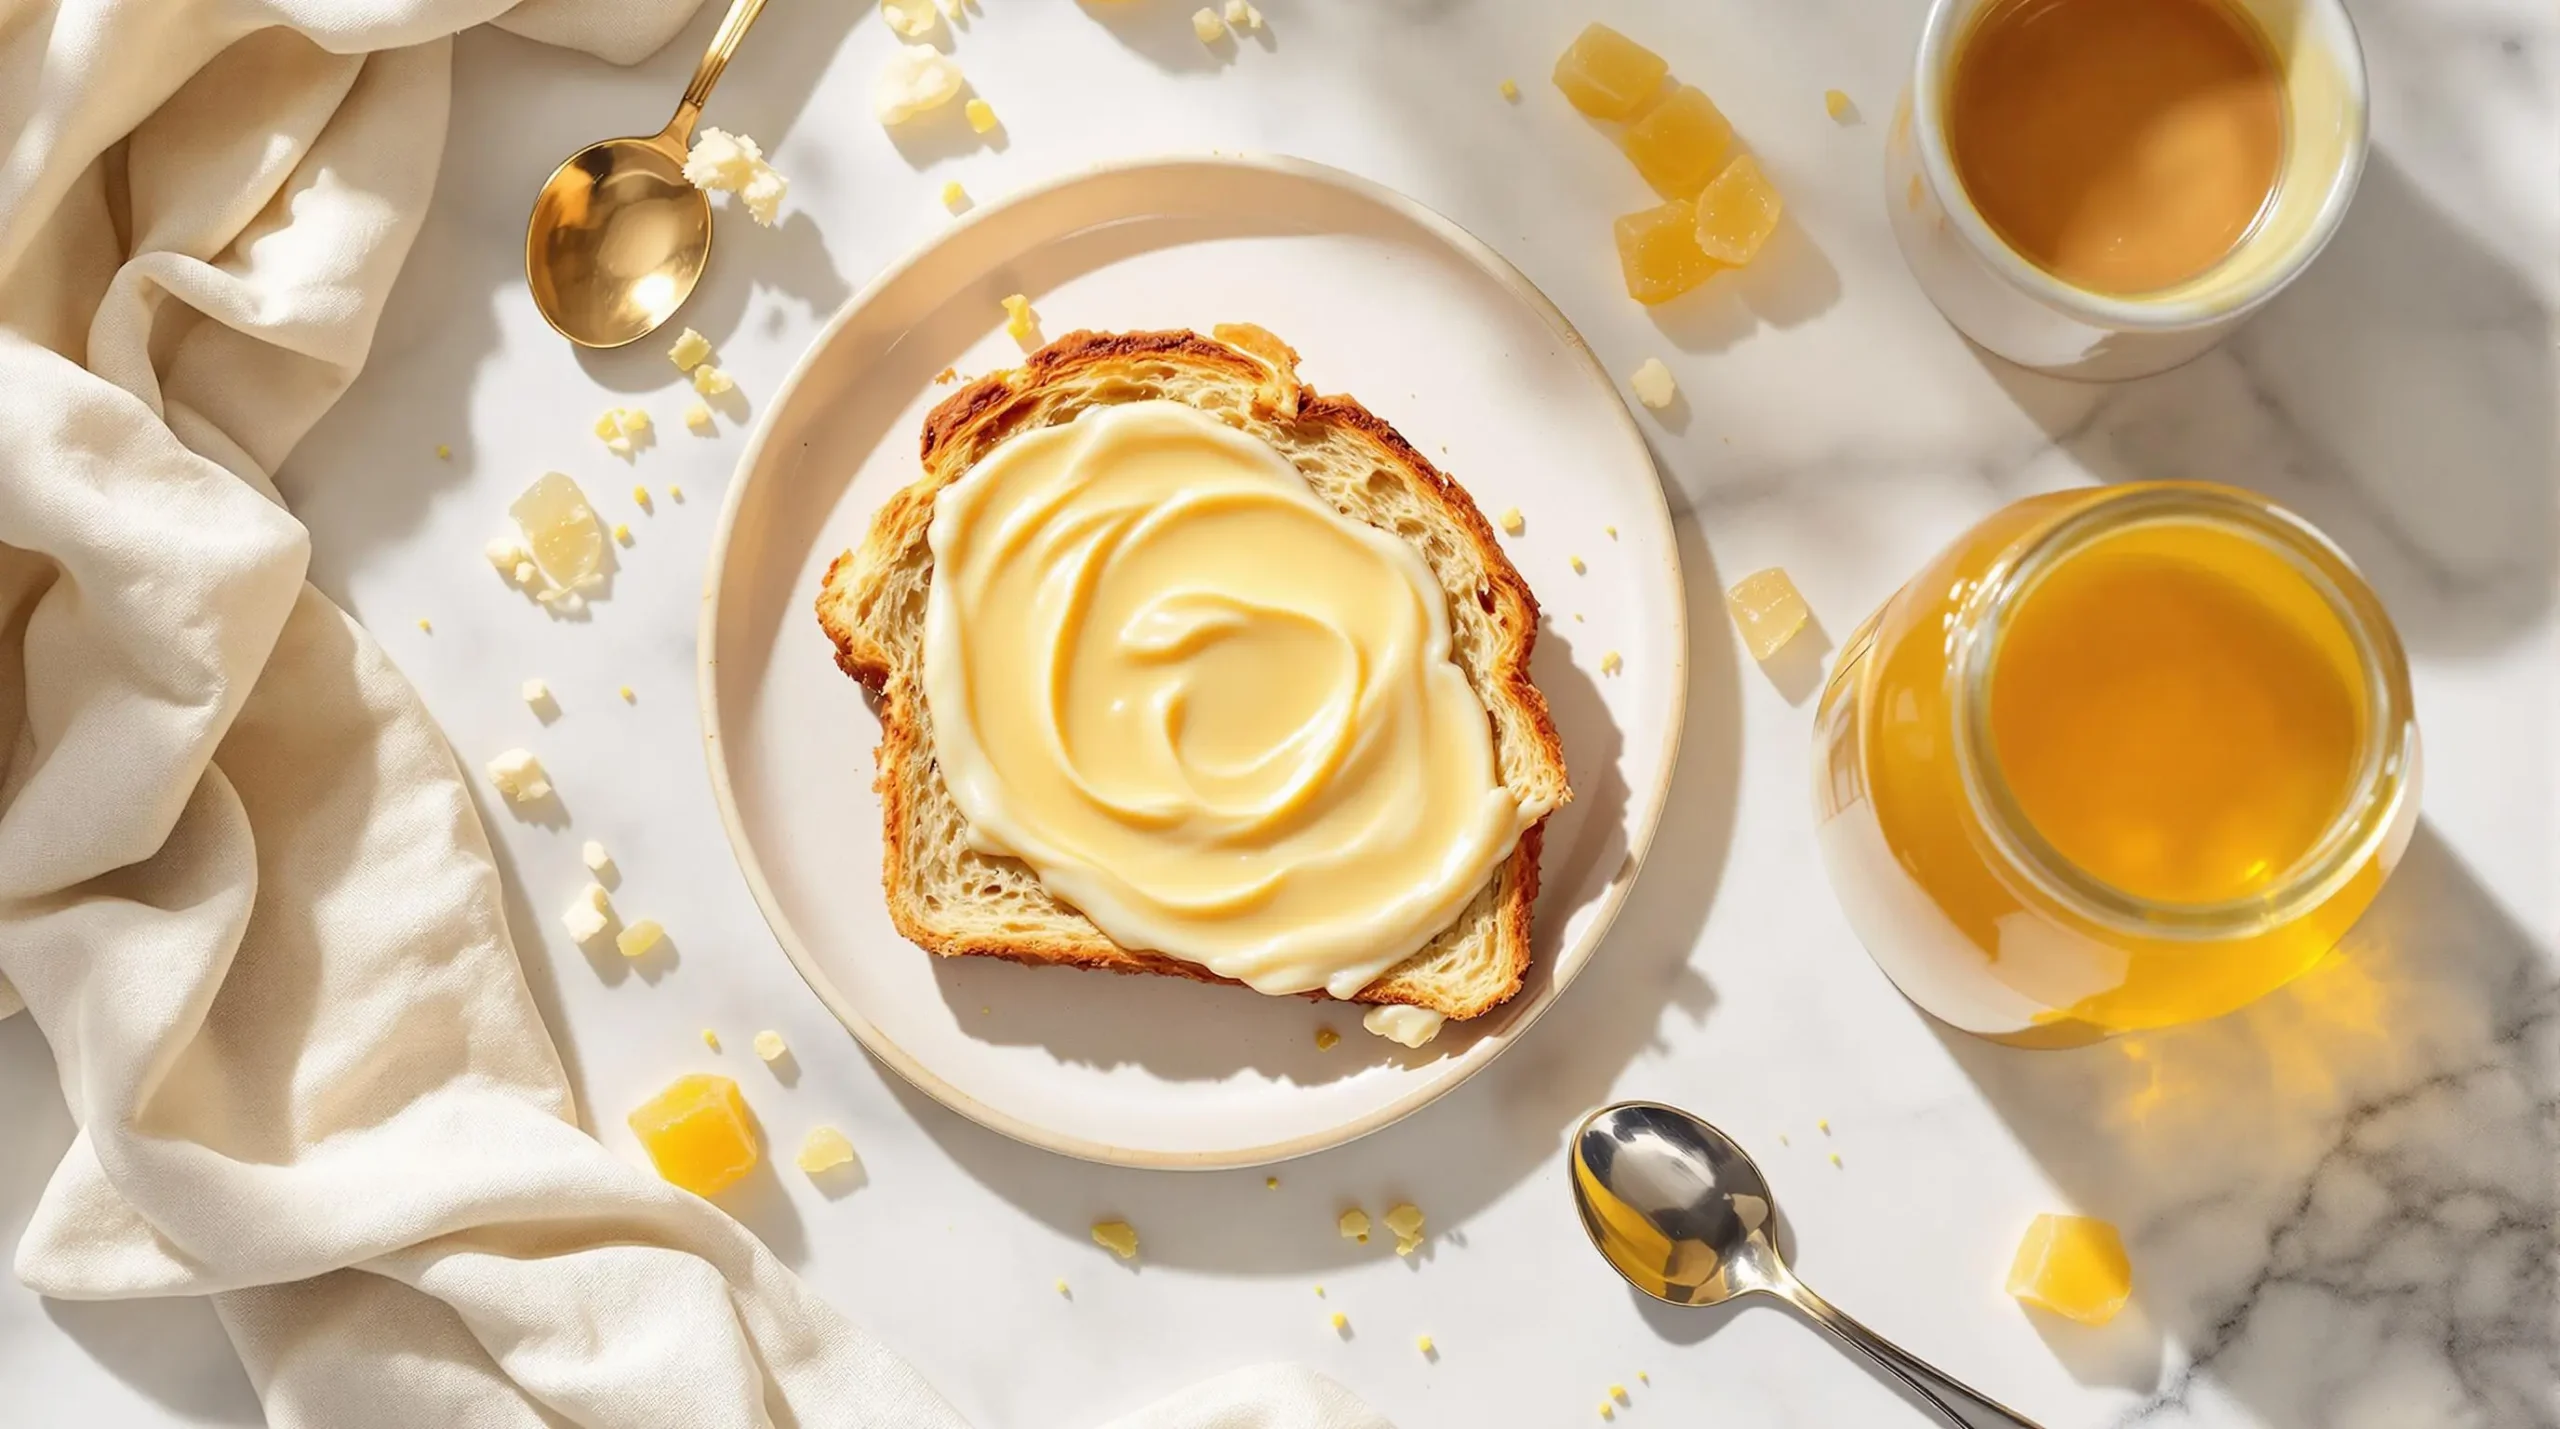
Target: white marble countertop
{"type": "Point", "coordinates": [2340, 1203]}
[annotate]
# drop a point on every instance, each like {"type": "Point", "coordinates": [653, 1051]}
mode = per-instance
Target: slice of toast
{"type": "Point", "coordinates": [952, 900]}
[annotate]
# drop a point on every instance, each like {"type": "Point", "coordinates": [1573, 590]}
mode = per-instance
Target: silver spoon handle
{"type": "Point", "coordinates": [724, 43]}
{"type": "Point", "coordinates": [1961, 1405]}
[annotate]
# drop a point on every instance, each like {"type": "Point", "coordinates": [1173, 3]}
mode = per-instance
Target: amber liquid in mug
{"type": "Point", "coordinates": [2123, 146]}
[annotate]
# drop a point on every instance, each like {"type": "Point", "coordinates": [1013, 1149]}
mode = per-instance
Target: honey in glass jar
{"type": "Point", "coordinates": [2116, 759]}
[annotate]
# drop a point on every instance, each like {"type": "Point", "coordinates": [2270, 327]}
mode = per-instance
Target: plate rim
{"type": "Point", "coordinates": [1453, 1072]}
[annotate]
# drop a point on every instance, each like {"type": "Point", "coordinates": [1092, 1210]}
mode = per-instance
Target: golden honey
{"type": "Point", "coordinates": [2116, 759]}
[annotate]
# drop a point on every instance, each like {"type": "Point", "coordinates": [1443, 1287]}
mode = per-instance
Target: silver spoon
{"type": "Point", "coordinates": [1677, 1208]}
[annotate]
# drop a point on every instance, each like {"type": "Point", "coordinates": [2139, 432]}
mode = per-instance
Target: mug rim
{"type": "Point", "coordinates": [1944, 28]}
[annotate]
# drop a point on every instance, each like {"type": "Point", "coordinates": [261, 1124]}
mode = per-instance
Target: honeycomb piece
{"type": "Point", "coordinates": [1117, 1237]}
{"type": "Point", "coordinates": [560, 529]}
{"type": "Point", "coordinates": [2073, 1266]}
{"type": "Point", "coordinates": [824, 1149]}
{"type": "Point", "coordinates": [1680, 143]}
{"type": "Point", "coordinates": [1658, 252]}
{"type": "Point", "coordinates": [697, 1133]}
{"type": "Point", "coordinates": [1737, 213]}
{"type": "Point", "coordinates": [1768, 611]}
{"type": "Point", "coordinates": [1608, 76]}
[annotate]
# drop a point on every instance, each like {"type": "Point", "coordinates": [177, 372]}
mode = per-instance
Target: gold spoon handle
{"type": "Point", "coordinates": [724, 43]}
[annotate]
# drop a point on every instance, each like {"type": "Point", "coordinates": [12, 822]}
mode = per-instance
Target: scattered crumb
{"type": "Point", "coordinates": [598, 862]}
{"type": "Point", "coordinates": [1206, 24]}
{"type": "Point", "coordinates": [724, 162]}
{"type": "Point", "coordinates": [1836, 104]}
{"type": "Point", "coordinates": [770, 1046]}
{"type": "Point", "coordinates": [946, 377]}
{"type": "Point", "coordinates": [518, 775]}
{"type": "Point", "coordinates": [525, 571]}
{"type": "Point", "coordinates": [1782, 1139]}
{"type": "Point", "coordinates": [1019, 321]}
{"type": "Point", "coordinates": [1835, 1158]}
{"type": "Point", "coordinates": [675, 493]}
{"type": "Point", "coordinates": [622, 532]}
{"type": "Point", "coordinates": [1577, 617]}
{"type": "Point", "coordinates": [1618, 1392]}
{"type": "Point", "coordinates": [1646, 1378]}
{"type": "Point", "coordinates": [426, 625]}
{"type": "Point", "coordinates": [1405, 1219]}
{"type": "Point", "coordinates": [691, 350]}
{"type": "Point", "coordinates": [505, 553]}
{"type": "Point", "coordinates": [1271, 1183]}
{"type": "Point", "coordinates": [1578, 567]}
{"type": "Point", "coordinates": [697, 417]}
{"type": "Point", "coordinates": [1325, 1038]}
{"type": "Point", "coordinates": [1510, 90]}
{"type": "Point", "coordinates": [641, 498]}
{"type": "Point", "coordinates": [443, 452]}
{"type": "Point", "coordinates": [1354, 1225]}
{"type": "Point", "coordinates": [1423, 1343]}
{"type": "Point", "coordinates": [1511, 522]}
{"type": "Point", "coordinates": [1062, 1287]}
{"type": "Point", "coordinates": [917, 78]}
{"type": "Point", "coordinates": [1341, 1322]}
{"type": "Point", "coordinates": [912, 19]}
{"type": "Point", "coordinates": [710, 1039]}
{"type": "Point", "coordinates": [980, 114]}
{"type": "Point", "coordinates": [954, 198]}
{"type": "Point", "coordinates": [824, 1149]}
{"type": "Point", "coordinates": [1653, 384]}
{"type": "Point", "coordinates": [1610, 664]}
{"type": "Point", "coordinates": [591, 914]}
{"type": "Point", "coordinates": [1117, 1237]}
{"type": "Point", "coordinates": [1319, 1292]}
{"type": "Point", "coordinates": [628, 698]}
{"type": "Point", "coordinates": [1608, 1410]}
{"type": "Point", "coordinates": [535, 692]}
{"type": "Point", "coordinates": [1236, 13]}
{"type": "Point", "coordinates": [1612, 530]}
{"type": "Point", "coordinates": [1823, 1126]}
{"type": "Point", "coordinates": [636, 940]}
{"type": "Point", "coordinates": [710, 381]}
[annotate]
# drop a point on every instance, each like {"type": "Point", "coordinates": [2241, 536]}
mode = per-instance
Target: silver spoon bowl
{"type": "Point", "coordinates": [1678, 1209]}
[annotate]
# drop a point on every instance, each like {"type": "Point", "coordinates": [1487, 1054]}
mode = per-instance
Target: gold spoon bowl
{"type": "Point", "coordinates": [618, 237]}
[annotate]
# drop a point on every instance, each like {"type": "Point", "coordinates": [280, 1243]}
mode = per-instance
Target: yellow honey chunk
{"type": "Point", "coordinates": [1835, 103]}
{"type": "Point", "coordinates": [954, 197]}
{"type": "Point", "coordinates": [1117, 1237]}
{"type": "Point", "coordinates": [1406, 1221]}
{"type": "Point", "coordinates": [1737, 213]}
{"type": "Point", "coordinates": [1680, 143]}
{"type": "Point", "coordinates": [560, 529]}
{"type": "Point", "coordinates": [1341, 1322]}
{"type": "Point", "coordinates": [2073, 1266]}
{"type": "Point", "coordinates": [1659, 254]}
{"type": "Point", "coordinates": [1354, 1225]}
{"type": "Point", "coordinates": [697, 1133]}
{"type": "Point", "coordinates": [1606, 75]}
{"type": "Point", "coordinates": [636, 940]}
{"type": "Point", "coordinates": [1326, 1037]}
{"type": "Point", "coordinates": [981, 115]}
{"type": "Point", "coordinates": [824, 1149]}
{"type": "Point", "coordinates": [1768, 611]}
{"type": "Point", "coordinates": [1510, 90]}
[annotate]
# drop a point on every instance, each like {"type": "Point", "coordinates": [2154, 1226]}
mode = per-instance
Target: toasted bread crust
{"type": "Point", "coordinates": [971, 422]}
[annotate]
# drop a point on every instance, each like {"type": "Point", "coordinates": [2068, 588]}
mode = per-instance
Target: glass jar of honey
{"type": "Point", "coordinates": [2117, 758]}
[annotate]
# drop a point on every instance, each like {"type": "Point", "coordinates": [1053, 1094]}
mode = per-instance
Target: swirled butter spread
{"type": "Point", "coordinates": [1211, 712]}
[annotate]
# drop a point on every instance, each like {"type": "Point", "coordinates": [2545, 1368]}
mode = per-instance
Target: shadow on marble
{"type": "Point", "coordinates": [2344, 1193]}
{"type": "Point", "coordinates": [2402, 394]}
{"type": "Point", "coordinates": [1506, 1125]}
{"type": "Point", "coordinates": [1692, 1324]}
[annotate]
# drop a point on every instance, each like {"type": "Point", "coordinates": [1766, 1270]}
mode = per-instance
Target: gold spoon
{"type": "Point", "coordinates": [618, 238]}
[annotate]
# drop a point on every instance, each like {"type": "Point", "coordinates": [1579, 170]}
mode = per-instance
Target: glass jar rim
{"type": "Point", "coordinates": [2015, 847]}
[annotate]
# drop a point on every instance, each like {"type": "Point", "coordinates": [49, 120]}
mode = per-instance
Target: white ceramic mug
{"type": "Point", "coordinates": [1995, 296]}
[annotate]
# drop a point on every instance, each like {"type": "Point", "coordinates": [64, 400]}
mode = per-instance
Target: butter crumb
{"type": "Point", "coordinates": [444, 452]}
{"type": "Point", "coordinates": [1423, 1343]}
{"type": "Point", "coordinates": [1207, 26]}
{"type": "Point", "coordinates": [691, 350]}
{"type": "Point", "coordinates": [591, 914]}
{"type": "Point", "coordinates": [535, 692]}
{"type": "Point", "coordinates": [1117, 1237]}
{"type": "Point", "coordinates": [641, 498]}
{"type": "Point", "coordinates": [912, 19]}
{"type": "Point", "coordinates": [1612, 530]}
{"type": "Point", "coordinates": [1325, 1038]}
{"type": "Point", "coordinates": [1405, 1219]}
{"type": "Point", "coordinates": [1618, 1392]}
{"type": "Point", "coordinates": [1319, 1292]}
{"type": "Point", "coordinates": [710, 1039]}
{"type": "Point", "coordinates": [770, 1046]}
{"type": "Point", "coordinates": [710, 381]}
{"type": "Point", "coordinates": [1271, 1183]}
{"type": "Point", "coordinates": [720, 161]}
{"type": "Point", "coordinates": [1062, 1287]}
{"type": "Point", "coordinates": [1511, 522]}
{"type": "Point", "coordinates": [1510, 90]}
{"type": "Point", "coordinates": [636, 940]}
{"type": "Point", "coordinates": [628, 698]}
{"type": "Point", "coordinates": [622, 532]}
{"type": "Point", "coordinates": [1823, 1126]}
{"type": "Point", "coordinates": [1019, 321]}
{"type": "Point", "coordinates": [598, 862]}
{"type": "Point", "coordinates": [675, 492]}
{"type": "Point", "coordinates": [1610, 664]}
{"type": "Point", "coordinates": [1341, 1322]}
{"type": "Point", "coordinates": [1578, 567]}
{"type": "Point", "coordinates": [980, 114]}
{"type": "Point", "coordinates": [1608, 1410]}
{"type": "Point", "coordinates": [518, 775]}
{"type": "Point", "coordinates": [824, 1149]}
{"type": "Point", "coordinates": [916, 78]}
{"type": "Point", "coordinates": [954, 197]}
{"type": "Point", "coordinates": [505, 553]}
{"type": "Point", "coordinates": [1646, 1378]}
{"type": "Point", "coordinates": [426, 625]}
{"type": "Point", "coordinates": [1835, 103]}
{"type": "Point", "coordinates": [1354, 1225]}
{"type": "Point", "coordinates": [1835, 1158]}
{"type": "Point", "coordinates": [1653, 384]}
{"type": "Point", "coordinates": [697, 417]}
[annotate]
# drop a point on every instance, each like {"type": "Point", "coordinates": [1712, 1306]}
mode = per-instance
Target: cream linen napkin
{"type": "Point", "coordinates": [243, 891]}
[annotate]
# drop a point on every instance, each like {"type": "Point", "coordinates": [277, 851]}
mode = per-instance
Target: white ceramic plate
{"type": "Point", "coordinates": [1386, 300]}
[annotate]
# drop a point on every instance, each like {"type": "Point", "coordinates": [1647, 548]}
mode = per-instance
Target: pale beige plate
{"type": "Point", "coordinates": [1387, 301]}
